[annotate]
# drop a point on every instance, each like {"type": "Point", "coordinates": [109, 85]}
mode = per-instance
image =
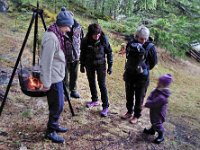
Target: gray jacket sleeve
{"type": "Point", "coordinates": [47, 54]}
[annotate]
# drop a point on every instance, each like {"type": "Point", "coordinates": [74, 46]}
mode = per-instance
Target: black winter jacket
{"type": "Point", "coordinates": [93, 52]}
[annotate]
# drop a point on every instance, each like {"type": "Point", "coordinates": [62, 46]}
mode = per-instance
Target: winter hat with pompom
{"type": "Point", "coordinates": [64, 18]}
{"type": "Point", "coordinates": [166, 80]}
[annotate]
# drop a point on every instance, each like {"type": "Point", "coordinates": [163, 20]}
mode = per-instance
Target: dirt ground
{"type": "Point", "coordinates": [23, 121]}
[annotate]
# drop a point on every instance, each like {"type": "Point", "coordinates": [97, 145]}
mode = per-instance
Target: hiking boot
{"type": "Point", "coordinates": [126, 116]}
{"type": "Point", "coordinates": [104, 112]}
{"type": "Point", "coordinates": [133, 120]}
{"type": "Point", "coordinates": [61, 129]}
{"type": "Point", "coordinates": [75, 94]}
{"type": "Point", "coordinates": [54, 137]}
{"type": "Point", "coordinates": [159, 139]}
{"type": "Point", "coordinates": [150, 131]}
{"type": "Point", "coordinates": [92, 104]}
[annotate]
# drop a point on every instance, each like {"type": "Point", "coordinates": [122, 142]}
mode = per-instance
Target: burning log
{"type": "Point", "coordinates": [34, 83]}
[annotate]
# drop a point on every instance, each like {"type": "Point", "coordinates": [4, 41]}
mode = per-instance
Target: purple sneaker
{"type": "Point", "coordinates": [92, 104]}
{"type": "Point", "coordinates": [104, 112]}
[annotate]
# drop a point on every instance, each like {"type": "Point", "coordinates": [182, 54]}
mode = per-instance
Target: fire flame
{"type": "Point", "coordinates": [34, 83]}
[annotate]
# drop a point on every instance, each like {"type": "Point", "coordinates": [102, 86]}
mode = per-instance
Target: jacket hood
{"type": "Point", "coordinates": [76, 24]}
{"type": "Point", "coordinates": [165, 91]}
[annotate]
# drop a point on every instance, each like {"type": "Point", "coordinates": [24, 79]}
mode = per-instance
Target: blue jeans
{"type": "Point", "coordinates": [100, 70]}
{"type": "Point", "coordinates": [55, 98]}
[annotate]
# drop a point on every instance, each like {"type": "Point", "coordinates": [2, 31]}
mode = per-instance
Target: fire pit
{"type": "Point", "coordinates": [30, 82]}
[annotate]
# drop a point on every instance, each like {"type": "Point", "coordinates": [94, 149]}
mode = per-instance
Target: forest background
{"type": "Point", "coordinates": [174, 24]}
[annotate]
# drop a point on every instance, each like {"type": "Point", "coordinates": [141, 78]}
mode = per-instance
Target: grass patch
{"type": "Point", "coordinates": [27, 113]}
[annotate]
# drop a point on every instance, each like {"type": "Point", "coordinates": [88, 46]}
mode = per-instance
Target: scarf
{"type": "Point", "coordinates": [54, 28]}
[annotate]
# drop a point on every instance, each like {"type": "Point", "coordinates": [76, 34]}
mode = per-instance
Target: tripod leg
{"type": "Point", "coordinates": [42, 18]}
{"type": "Point", "coordinates": [67, 96]}
{"type": "Point", "coordinates": [35, 40]}
{"type": "Point", "coordinates": [16, 64]}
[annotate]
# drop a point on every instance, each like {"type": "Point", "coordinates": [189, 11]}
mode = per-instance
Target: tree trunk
{"type": "Point", "coordinates": [95, 4]}
{"type": "Point", "coordinates": [103, 7]}
{"type": "Point", "coordinates": [55, 2]}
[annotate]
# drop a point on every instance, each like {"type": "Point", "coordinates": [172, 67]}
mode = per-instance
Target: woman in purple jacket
{"type": "Point", "coordinates": [157, 102]}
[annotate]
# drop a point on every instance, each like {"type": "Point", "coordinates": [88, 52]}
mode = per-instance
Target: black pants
{"type": "Point", "coordinates": [71, 76]}
{"type": "Point", "coordinates": [134, 97]}
{"type": "Point", "coordinates": [100, 70]}
{"type": "Point", "coordinates": [55, 98]}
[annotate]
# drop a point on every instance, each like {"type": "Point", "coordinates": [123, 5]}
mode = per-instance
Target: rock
{"type": "Point", "coordinates": [196, 46]}
{"type": "Point", "coordinates": [5, 75]}
{"type": "Point", "coordinates": [23, 148]}
{"type": "Point", "coordinates": [41, 104]}
{"type": "Point", "coordinates": [3, 78]}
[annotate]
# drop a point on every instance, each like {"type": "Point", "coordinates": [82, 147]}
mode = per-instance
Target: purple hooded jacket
{"type": "Point", "coordinates": [158, 102]}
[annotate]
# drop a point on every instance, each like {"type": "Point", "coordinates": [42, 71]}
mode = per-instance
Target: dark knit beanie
{"type": "Point", "coordinates": [64, 18]}
{"type": "Point", "coordinates": [166, 80]}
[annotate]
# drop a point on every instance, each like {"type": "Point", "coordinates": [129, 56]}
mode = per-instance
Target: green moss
{"type": "Point", "coordinates": [27, 113]}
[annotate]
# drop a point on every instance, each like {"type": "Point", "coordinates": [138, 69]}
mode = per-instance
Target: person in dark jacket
{"type": "Point", "coordinates": [94, 48]}
{"type": "Point", "coordinates": [157, 102]}
{"type": "Point", "coordinates": [141, 57]}
{"type": "Point", "coordinates": [72, 53]}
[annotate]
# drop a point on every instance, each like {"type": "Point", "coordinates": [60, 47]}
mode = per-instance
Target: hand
{"type": "Point", "coordinates": [82, 69]}
{"type": "Point", "coordinates": [122, 52]}
{"type": "Point", "coordinates": [109, 70]}
{"type": "Point", "coordinates": [43, 88]}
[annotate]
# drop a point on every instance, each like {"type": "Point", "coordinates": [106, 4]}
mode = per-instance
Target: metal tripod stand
{"type": "Point", "coordinates": [36, 12]}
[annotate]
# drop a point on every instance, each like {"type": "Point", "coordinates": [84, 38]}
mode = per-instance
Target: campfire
{"type": "Point", "coordinates": [30, 83]}
{"type": "Point", "coordinates": [34, 83]}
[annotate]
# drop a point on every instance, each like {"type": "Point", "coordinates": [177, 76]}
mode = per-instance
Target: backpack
{"type": "Point", "coordinates": [136, 58]}
{"type": "Point", "coordinates": [76, 38]}
{"type": "Point", "coordinates": [72, 43]}
{"type": "Point", "coordinates": [151, 58]}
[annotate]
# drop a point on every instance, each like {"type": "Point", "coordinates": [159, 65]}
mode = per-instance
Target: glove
{"type": "Point", "coordinates": [109, 70]}
{"type": "Point", "coordinates": [82, 69]}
